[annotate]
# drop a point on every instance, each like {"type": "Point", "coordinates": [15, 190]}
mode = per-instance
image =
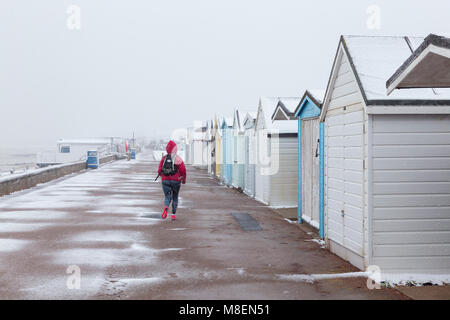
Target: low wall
{"type": "Point", "coordinates": [29, 180]}
{"type": "Point", "coordinates": [108, 159]}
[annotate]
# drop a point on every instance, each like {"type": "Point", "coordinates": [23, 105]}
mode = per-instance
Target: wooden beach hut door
{"type": "Point", "coordinates": [310, 171]}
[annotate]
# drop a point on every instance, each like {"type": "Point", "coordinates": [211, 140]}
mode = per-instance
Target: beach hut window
{"type": "Point", "coordinates": [65, 149]}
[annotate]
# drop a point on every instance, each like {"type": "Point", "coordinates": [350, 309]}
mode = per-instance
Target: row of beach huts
{"type": "Point", "coordinates": [366, 161]}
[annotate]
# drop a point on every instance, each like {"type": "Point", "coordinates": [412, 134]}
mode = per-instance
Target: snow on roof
{"type": "Point", "coordinates": [285, 126]}
{"type": "Point", "coordinates": [198, 134]}
{"type": "Point", "coordinates": [428, 65]}
{"type": "Point", "coordinates": [287, 106]}
{"type": "Point", "coordinates": [290, 103]}
{"type": "Point", "coordinates": [376, 58]}
{"type": "Point", "coordinates": [240, 114]}
{"type": "Point", "coordinates": [250, 116]}
{"type": "Point", "coordinates": [228, 121]}
{"type": "Point", "coordinates": [318, 94]}
{"type": "Point", "coordinates": [268, 105]}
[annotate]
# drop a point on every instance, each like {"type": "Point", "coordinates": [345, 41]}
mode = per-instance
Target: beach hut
{"type": "Point", "coordinates": [277, 148]}
{"type": "Point", "coordinates": [207, 146]}
{"type": "Point", "coordinates": [310, 160]}
{"type": "Point", "coordinates": [250, 153]}
{"type": "Point", "coordinates": [227, 150]}
{"type": "Point", "coordinates": [219, 156]}
{"type": "Point", "coordinates": [212, 154]}
{"type": "Point", "coordinates": [189, 147]}
{"type": "Point", "coordinates": [198, 145]}
{"type": "Point", "coordinates": [387, 179]}
{"type": "Point", "coordinates": [238, 172]}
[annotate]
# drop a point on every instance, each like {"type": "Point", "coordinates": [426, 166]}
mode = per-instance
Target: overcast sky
{"type": "Point", "coordinates": [154, 66]}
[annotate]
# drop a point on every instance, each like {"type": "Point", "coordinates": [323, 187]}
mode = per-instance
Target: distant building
{"type": "Point", "coordinates": [72, 150]}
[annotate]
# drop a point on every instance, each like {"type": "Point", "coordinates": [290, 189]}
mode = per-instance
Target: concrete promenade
{"type": "Point", "coordinates": [106, 224]}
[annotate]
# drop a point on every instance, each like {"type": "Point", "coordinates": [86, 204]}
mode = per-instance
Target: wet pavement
{"type": "Point", "coordinates": [105, 224]}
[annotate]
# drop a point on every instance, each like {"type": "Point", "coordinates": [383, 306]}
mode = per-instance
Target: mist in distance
{"type": "Point", "coordinates": [151, 67]}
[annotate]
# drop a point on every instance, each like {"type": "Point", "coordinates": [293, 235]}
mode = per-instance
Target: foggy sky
{"type": "Point", "coordinates": [154, 66]}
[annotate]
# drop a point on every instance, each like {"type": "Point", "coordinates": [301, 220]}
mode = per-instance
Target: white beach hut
{"type": "Point", "coordinates": [250, 153]}
{"type": "Point", "coordinates": [207, 146]}
{"type": "Point", "coordinates": [387, 177]}
{"type": "Point", "coordinates": [277, 148]}
{"type": "Point", "coordinates": [238, 173]}
{"type": "Point", "coordinates": [198, 145]}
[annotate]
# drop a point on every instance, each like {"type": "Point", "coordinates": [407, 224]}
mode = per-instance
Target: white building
{"type": "Point", "coordinates": [387, 176]}
{"type": "Point", "coordinates": [250, 153]}
{"type": "Point", "coordinates": [238, 166]}
{"type": "Point", "coordinates": [277, 152]}
{"type": "Point", "coordinates": [72, 150]}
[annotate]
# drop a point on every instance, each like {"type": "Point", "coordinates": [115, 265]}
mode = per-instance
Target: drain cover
{"type": "Point", "coordinates": [246, 222]}
{"type": "Point", "coordinates": [152, 216]}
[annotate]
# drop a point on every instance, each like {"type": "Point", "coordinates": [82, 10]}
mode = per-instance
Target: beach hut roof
{"type": "Point", "coordinates": [316, 96]}
{"type": "Point", "coordinates": [249, 120]}
{"type": "Point", "coordinates": [373, 59]}
{"type": "Point", "coordinates": [239, 119]}
{"type": "Point", "coordinates": [267, 104]}
{"type": "Point", "coordinates": [428, 66]}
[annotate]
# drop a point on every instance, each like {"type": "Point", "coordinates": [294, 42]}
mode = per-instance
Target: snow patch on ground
{"type": "Point", "coordinates": [119, 210]}
{"type": "Point", "coordinates": [316, 277]}
{"type": "Point", "coordinates": [289, 220]}
{"type": "Point", "coordinates": [177, 229]}
{"type": "Point", "coordinates": [282, 207]}
{"type": "Point", "coordinates": [405, 279]}
{"type": "Point", "coordinates": [9, 245]}
{"type": "Point", "coordinates": [240, 271]}
{"type": "Point", "coordinates": [106, 236]}
{"type": "Point", "coordinates": [32, 215]}
{"type": "Point", "coordinates": [141, 281]}
{"type": "Point", "coordinates": [400, 279]}
{"type": "Point", "coordinates": [321, 242]}
{"type": "Point", "coordinates": [54, 286]}
{"type": "Point", "coordinates": [21, 227]}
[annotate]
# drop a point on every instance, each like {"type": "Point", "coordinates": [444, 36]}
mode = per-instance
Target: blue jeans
{"type": "Point", "coordinates": [171, 188]}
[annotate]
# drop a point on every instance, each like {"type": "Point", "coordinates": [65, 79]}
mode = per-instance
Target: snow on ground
{"type": "Point", "coordinates": [141, 281]}
{"type": "Point", "coordinates": [414, 279]}
{"type": "Point", "coordinates": [107, 236]}
{"type": "Point", "coordinates": [31, 215]}
{"type": "Point", "coordinates": [7, 227]}
{"type": "Point", "coordinates": [135, 254]}
{"type": "Point", "coordinates": [9, 245]}
{"type": "Point", "coordinates": [316, 277]}
{"type": "Point", "coordinates": [320, 242]}
{"type": "Point", "coordinates": [384, 278]}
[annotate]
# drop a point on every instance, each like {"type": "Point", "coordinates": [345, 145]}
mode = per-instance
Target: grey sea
{"type": "Point", "coordinates": [18, 158]}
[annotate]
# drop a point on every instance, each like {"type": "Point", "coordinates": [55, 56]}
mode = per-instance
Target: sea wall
{"type": "Point", "coordinates": [24, 181]}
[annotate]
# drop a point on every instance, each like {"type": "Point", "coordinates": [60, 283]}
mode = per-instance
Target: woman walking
{"type": "Point", "coordinates": [173, 173]}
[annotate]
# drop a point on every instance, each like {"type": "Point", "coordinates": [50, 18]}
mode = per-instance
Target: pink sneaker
{"type": "Point", "coordinates": [174, 217]}
{"type": "Point", "coordinates": [164, 214]}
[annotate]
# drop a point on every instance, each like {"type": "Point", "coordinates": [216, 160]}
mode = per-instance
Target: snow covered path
{"type": "Point", "coordinates": [106, 223]}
